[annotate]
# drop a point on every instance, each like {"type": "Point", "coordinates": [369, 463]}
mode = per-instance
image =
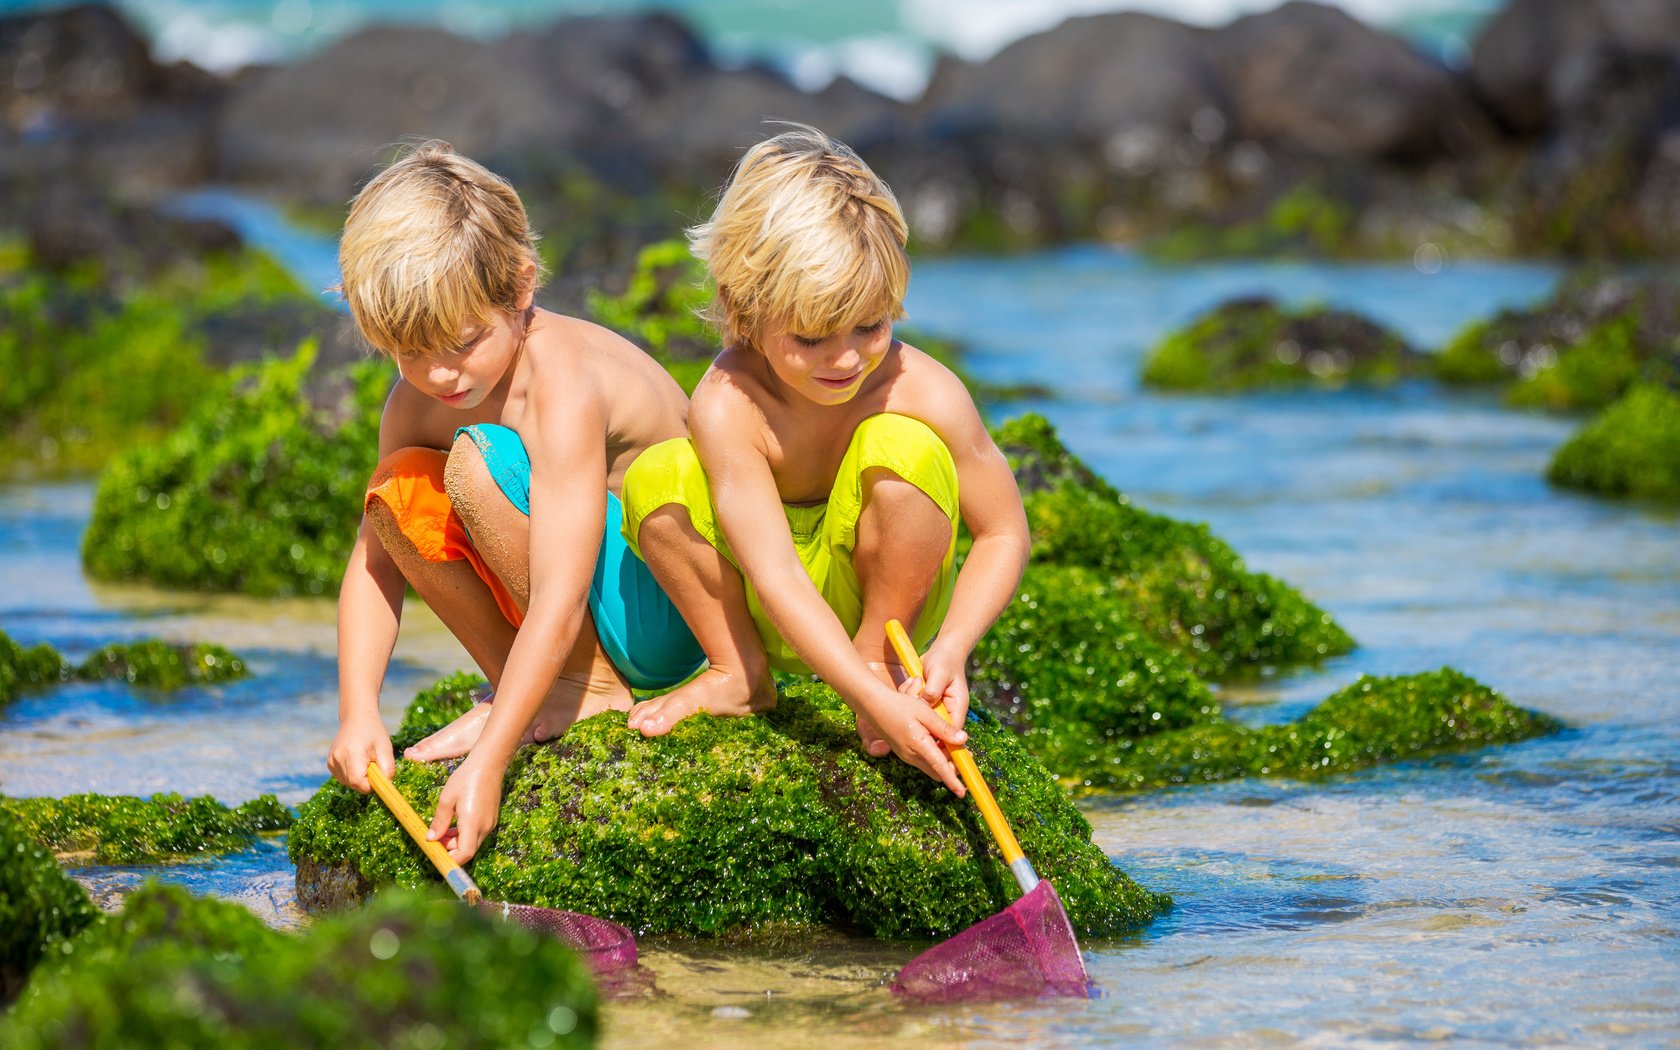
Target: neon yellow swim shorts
{"type": "Point", "coordinates": [670, 472]}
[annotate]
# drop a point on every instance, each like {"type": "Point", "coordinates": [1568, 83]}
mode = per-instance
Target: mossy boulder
{"type": "Point", "coordinates": [158, 664]}
{"type": "Point", "coordinates": [1184, 586]}
{"type": "Point", "coordinates": [409, 970]}
{"type": "Point", "coordinates": [1579, 350]}
{"type": "Point", "coordinates": [734, 824]}
{"type": "Point", "coordinates": [149, 662]}
{"type": "Point", "coordinates": [1630, 449]}
{"type": "Point", "coordinates": [123, 829]}
{"type": "Point", "coordinates": [1371, 722]}
{"type": "Point", "coordinates": [22, 668]}
{"type": "Point", "coordinates": [40, 906]}
{"type": "Point", "coordinates": [1248, 344]}
{"type": "Point", "coordinates": [258, 492]}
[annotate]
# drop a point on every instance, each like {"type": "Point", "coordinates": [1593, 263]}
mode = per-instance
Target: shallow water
{"type": "Point", "coordinates": [1522, 895]}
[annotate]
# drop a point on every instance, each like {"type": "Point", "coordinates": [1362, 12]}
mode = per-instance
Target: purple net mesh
{"type": "Point", "coordinates": [605, 945]}
{"type": "Point", "coordinates": [1025, 951]}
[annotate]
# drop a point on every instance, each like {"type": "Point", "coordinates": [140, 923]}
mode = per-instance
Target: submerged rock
{"type": "Point", "coordinates": [1254, 343]}
{"type": "Point", "coordinates": [411, 970]}
{"type": "Point", "coordinates": [733, 824]}
{"type": "Point", "coordinates": [123, 829]}
{"type": "Point", "coordinates": [1631, 448]}
{"type": "Point", "coordinates": [148, 662]}
{"type": "Point", "coordinates": [40, 906]}
{"type": "Point", "coordinates": [1371, 722]}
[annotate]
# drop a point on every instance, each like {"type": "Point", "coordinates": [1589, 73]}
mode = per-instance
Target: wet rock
{"type": "Point", "coordinates": [1578, 350]}
{"type": "Point", "coordinates": [22, 668]}
{"type": "Point", "coordinates": [409, 970]}
{"type": "Point", "coordinates": [40, 906]}
{"type": "Point", "coordinates": [123, 829]}
{"type": "Point", "coordinates": [1631, 449]}
{"type": "Point", "coordinates": [736, 824]}
{"type": "Point", "coordinates": [1254, 343]}
{"type": "Point", "coordinates": [162, 665]}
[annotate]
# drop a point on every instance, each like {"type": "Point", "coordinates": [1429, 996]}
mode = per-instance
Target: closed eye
{"type": "Point", "coordinates": [803, 340]}
{"type": "Point", "coordinates": [870, 329]}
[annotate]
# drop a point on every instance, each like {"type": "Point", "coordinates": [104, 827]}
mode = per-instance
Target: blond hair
{"type": "Point", "coordinates": [804, 235]}
{"type": "Point", "coordinates": [432, 246]}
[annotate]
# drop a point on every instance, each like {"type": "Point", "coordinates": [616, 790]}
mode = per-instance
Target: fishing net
{"type": "Point", "coordinates": [1025, 951]}
{"type": "Point", "coordinates": [605, 945]}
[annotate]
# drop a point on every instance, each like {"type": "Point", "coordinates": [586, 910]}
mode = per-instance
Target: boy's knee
{"type": "Point", "coordinates": [899, 503]}
{"type": "Point", "coordinates": [466, 477]}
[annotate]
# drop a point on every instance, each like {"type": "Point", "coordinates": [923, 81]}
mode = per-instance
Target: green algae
{"type": "Point", "coordinates": [22, 668]}
{"type": "Point", "coordinates": [97, 361]}
{"type": "Point", "coordinates": [1588, 373]}
{"type": "Point", "coordinates": [40, 906]}
{"type": "Point", "coordinates": [1631, 449]}
{"type": "Point", "coordinates": [258, 492]}
{"type": "Point", "coordinates": [1249, 344]}
{"type": "Point", "coordinates": [1370, 722]}
{"type": "Point", "coordinates": [162, 665]}
{"type": "Point", "coordinates": [409, 970]}
{"type": "Point", "coordinates": [123, 829]}
{"type": "Point", "coordinates": [1181, 584]}
{"type": "Point", "coordinates": [728, 825]}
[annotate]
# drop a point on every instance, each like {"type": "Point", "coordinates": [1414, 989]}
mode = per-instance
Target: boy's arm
{"type": "Point", "coordinates": [729, 444]}
{"type": "Point", "coordinates": [564, 437]}
{"type": "Point", "coordinates": [369, 612]}
{"type": "Point", "coordinates": [990, 502]}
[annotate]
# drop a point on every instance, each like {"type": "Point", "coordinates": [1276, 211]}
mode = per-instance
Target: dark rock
{"type": "Point", "coordinates": [69, 226]}
{"type": "Point", "coordinates": [1313, 76]}
{"type": "Point", "coordinates": [1524, 61]}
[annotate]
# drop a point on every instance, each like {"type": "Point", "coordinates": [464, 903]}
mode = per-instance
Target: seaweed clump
{"type": "Point", "coordinates": [1630, 449]}
{"type": "Point", "coordinates": [258, 492]}
{"type": "Point", "coordinates": [123, 829]}
{"type": "Point", "coordinates": [162, 665]}
{"type": "Point", "coordinates": [734, 825]}
{"type": "Point", "coordinates": [40, 907]}
{"type": "Point", "coordinates": [411, 970]}
{"type": "Point", "coordinates": [1182, 585]}
{"type": "Point", "coordinates": [1247, 344]}
{"type": "Point", "coordinates": [1370, 722]}
{"type": "Point", "coordinates": [22, 668]}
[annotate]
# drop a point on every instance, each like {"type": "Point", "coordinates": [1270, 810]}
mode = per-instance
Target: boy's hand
{"type": "Point", "coordinates": [472, 801]}
{"type": "Point", "coordinates": [913, 731]}
{"type": "Point", "coordinates": [360, 741]}
{"type": "Point", "coordinates": [946, 681]}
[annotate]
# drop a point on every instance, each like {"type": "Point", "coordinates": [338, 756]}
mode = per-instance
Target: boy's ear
{"type": "Point", "coordinates": [527, 286]}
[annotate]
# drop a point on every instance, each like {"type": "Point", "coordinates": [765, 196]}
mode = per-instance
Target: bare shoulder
{"type": "Point", "coordinates": [727, 399]}
{"type": "Point", "coordinates": [928, 390]}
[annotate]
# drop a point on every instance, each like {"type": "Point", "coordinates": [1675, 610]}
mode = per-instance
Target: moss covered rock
{"type": "Point", "coordinates": [40, 906]}
{"type": "Point", "coordinates": [410, 970]}
{"type": "Point", "coordinates": [258, 492]}
{"type": "Point", "coordinates": [734, 824]}
{"type": "Point", "coordinates": [123, 829]}
{"type": "Point", "coordinates": [1631, 448]}
{"type": "Point", "coordinates": [1184, 586]}
{"type": "Point", "coordinates": [1372, 721]}
{"type": "Point", "coordinates": [1579, 350]}
{"type": "Point", "coordinates": [1247, 344]}
{"type": "Point", "coordinates": [162, 665]}
{"type": "Point", "coordinates": [22, 668]}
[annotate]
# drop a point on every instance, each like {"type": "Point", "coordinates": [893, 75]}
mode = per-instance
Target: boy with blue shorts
{"type": "Point", "coordinates": [503, 448]}
{"type": "Point", "coordinates": [828, 463]}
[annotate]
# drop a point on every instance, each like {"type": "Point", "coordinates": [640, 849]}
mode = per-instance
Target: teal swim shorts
{"type": "Point", "coordinates": [641, 631]}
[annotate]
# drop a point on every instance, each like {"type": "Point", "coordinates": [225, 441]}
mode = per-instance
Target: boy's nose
{"type": "Point", "coordinates": [442, 375]}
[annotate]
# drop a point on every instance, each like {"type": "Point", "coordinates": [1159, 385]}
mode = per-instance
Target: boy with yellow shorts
{"type": "Point", "coordinates": [828, 464]}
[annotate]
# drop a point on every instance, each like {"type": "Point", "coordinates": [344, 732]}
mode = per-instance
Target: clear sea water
{"type": "Point", "coordinates": [1527, 895]}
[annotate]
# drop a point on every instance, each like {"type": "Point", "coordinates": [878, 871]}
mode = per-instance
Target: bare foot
{"type": "Point", "coordinates": [576, 695]}
{"type": "Point", "coordinates": [713, 693]}
{"type": "Point", "coordinates": [454, 739]}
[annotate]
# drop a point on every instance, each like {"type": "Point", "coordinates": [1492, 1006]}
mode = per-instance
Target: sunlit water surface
{"type": "Point", "coordinates": [1524, 895]}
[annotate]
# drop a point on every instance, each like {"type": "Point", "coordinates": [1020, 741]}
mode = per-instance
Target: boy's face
{"type": "Point", "coordinates": [830, 368]}
{"type": "Point", "coordinates": [465, 376]}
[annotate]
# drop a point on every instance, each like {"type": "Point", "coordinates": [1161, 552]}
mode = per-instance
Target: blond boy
{"type": "Point", "coordinates": [829, 463]}
{"type": "Point", "coordinates": [503, 449]}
